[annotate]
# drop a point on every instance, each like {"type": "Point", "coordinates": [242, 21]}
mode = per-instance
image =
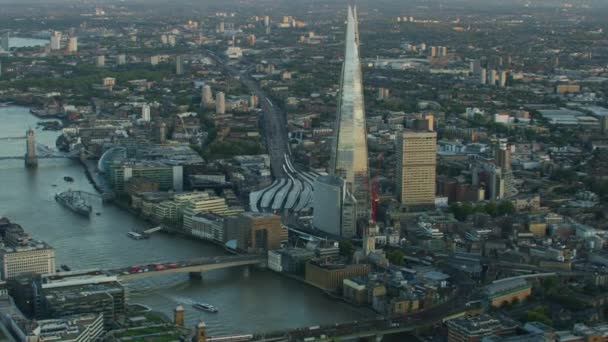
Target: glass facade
{"type": "Point", "coordinates": [349, 153]}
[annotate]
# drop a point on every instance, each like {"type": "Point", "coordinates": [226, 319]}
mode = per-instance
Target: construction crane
{"type": "Point", "coordinates": [375, 190]}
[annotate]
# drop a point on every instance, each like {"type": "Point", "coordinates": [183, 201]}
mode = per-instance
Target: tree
{"type": "Point", "coordinates": [346, 248]}
{"type": "Point", "coordinates": [505, 208]}
{"type": "Point", "coordinates": [395, 257]}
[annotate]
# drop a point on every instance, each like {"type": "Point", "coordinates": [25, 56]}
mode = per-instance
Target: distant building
{"type": "Point", "coordinates": [72, 45]}
{"type": "Point", "coordinates": [80, 328]}
{"type": "Point", "coordinates": [206, 96]}
{"type": "Point", "coordinates": [507, 291]}
{"type": "Point", "coordinates": [109, 82]}
{"type": "Point", "coordinates": [100, 61]}
{"type": "Point", "coordinates": [234, 52]}
{"type": "Point", "coordinates": [145, 112]}
{"type": "Point", "coordinates": [471, 329]}
{"type": "Point", "coordinates": [168, 176]}
{"type": "Point", "coordinates": [330, 276]}
{"type": "Point", "coordinates": [154, 60]}
{"type": "Point", "coordinates": [56, 40]}
{"type": "Point", "coordinates": [121, 59]}
{"type": "Point", "coordinates": [220, 103]}
{"type": "Point", "coordinates": [483, 76]}
{"type": "Point", "coordinates": [35, 257]}
{"type": "Point", "coordinates": [81, 293]}
{"type": "Point", "coordinates": [208, 226]}
{"type": "Point", "coordinates": [567, 88]}
{"type": "Point", "coordinates": [179, 65]}
{"type": "Point", "coordinates": [416, 168]}
{"type": "Point", "coordinates": [6, 38]}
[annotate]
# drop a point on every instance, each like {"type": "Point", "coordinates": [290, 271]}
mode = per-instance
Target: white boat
{"type": "Point", "coordinates": [205, 307]}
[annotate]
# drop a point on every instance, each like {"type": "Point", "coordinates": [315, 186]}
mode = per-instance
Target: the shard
{"type": "Point", "coordinates": [349, 151]}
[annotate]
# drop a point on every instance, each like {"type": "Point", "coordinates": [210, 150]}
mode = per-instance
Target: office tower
{"type": "Point", "coordinates": [171, 40]}
{"type": "Point", "coordinates": [72, 44]}
{"type": "Point", "coordinates": [100, 61]}
{"type": "Point", "coordinates": [162, 133]}
{"type": "Point", "coordinates": [30, 156]}
{"type": "Point", "coordinates": [416, 164]}
{"type": "Point", "coordinates": [383, 93]}
{"type": "Point", "coordinates": [145, 112]}
{"type": "Point", "coordinates": [251, 39]}
{"type": "Point", "coordinates": [433, 51]}
{"type": "Point", "coordinates": [267, 21]}
{"type": "Point", "coordinates": [21, 255]}
{"type": "Point", "coordinates": [493, 77]}
{"type": "Point", "coordinates": [56, 40]}
{"type": "Point", "coordinates": [163, 39]}
{"type": "Point", "coordinates": [220, 103]}
{"type": "Point", "coordinates": [220, 28]}
{"type": "Point", "coordinates": [475, 67]}
{"type": "Point", "coordinates": [334, 208]}
{"type": "Point", "coordinates": [503, 156]}
{"type": "Point", "coordinates": [121, 59]}
{"type": "Point", "coordinates": [503, 79]}
{"type": "Point", "coordinates": [483, 76]}
{"type": "Point", "coordinates": [179, 65]}
{"type": "Point", "coordinates": [443, 51]}
{"type": "Point", "coordinates": [206, 96]}
{"type": "Point", "coordinates": [6, 41]}
{"type": "Point", "coordinates": [349, 151]}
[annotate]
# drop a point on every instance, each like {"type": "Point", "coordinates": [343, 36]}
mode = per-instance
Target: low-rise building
{"type": "Point", "coordinates": [507, 291]}
{"type": "Point", "coordinates": [474, 329]}
{"type": "Point", "coordinates": [330, 276]}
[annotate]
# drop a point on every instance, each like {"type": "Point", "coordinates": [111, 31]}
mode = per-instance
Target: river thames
{"type": "Point", "coordinates": [258, 302]}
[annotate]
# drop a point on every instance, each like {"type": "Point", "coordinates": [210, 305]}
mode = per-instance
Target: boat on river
{"type": "Point", "coordinates": [205, 307]}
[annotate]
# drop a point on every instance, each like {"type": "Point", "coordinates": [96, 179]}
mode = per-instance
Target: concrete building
{"type": "Point", "coordinates": [206, 96]}
{"type": "Point", "coordinates": [31, 257]}
{"type": "Point", "coordinates": [145, 112]}
{"type": "Point", "coordinates": [475, 328]}
{"type": "Point", "coordinates": [334, 207]}
{"type": "Point", "coordinates": [483, 76]}
{"type": "Point", "coordinates": [349, 159]}
{"type": "Point", "coordinates": [56, 40]}
{"type": "Point", "coordinates": [100, 61]}
{"type": "Point", "coordinates": [80, 293]}
{"type": "Point", "coordinates": [72, 45]}
{"type": "Point", "coordinates": [205, 203]}
{"type": "Point", "coordinates": [121, 59]}
{"type": "Point", "coordinates": [416, 168]}
{"type": "Point", "coordinates": [329, 276]}
{"type": "Point", "coordinates": [220, 103]}
{"type": "Point", "coordinates": [179, 65]}
{"type": "Point", "coordinates": [81, 328]}
{"type": "Point", "coordinates": [6, 39]}
{"type": "Point", "coordinates": [503, 292]}
{"type": "Point", "coordinates": [168, 177]}
{"type": "Point", "coordinates": [208, 226]}
{"type": "Point", "coordinates": [255, 231]}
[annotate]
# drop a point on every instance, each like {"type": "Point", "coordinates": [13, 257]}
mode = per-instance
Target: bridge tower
{"type": "Point", "coordinates": [201, 332]}
{"type": "Point", "coordinates": [30, 155]}
{"type": "Point", "coordinates": [178, 316]}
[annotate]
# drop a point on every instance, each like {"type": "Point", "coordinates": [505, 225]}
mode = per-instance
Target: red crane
{"type": "Point", "coordinates": [375, 191]}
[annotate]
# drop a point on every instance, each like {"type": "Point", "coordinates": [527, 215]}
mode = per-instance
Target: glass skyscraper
{"type": "Point", "coordinates": [349, 152]}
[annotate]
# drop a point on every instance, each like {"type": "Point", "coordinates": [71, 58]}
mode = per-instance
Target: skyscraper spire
{"type": "Point", "coordinates": [349, 152]}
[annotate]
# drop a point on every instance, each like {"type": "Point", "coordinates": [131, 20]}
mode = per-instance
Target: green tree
{"type": "Point", "coordinates": [395, 257]}
{"type": "Point", "coordinates": [346, 248]}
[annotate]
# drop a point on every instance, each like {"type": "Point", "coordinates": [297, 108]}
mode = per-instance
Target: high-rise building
{"type": "Point", "coordinates": [483, 76]}
{"type": "Point", "coordinates": [30, 155]}
{"type": "Point", "coordinates": [6, 38]}
{"type": "Point", "coordinates": [220, 27]}
{"type": "Point", "coordinates": [171, 40]}
{"type": "Point", "coordinates": [56, 40]}
{"type": "Point", "coordinates": [349, 151]}
{"type": "Point", "coordinates": [206, 96]}
{"type": "Point", "coordinates": [251, 39]}
{"type": "Point", "coordinates": [416, 167]}
{"type": "Point", "coordinates": [503, 79]}
{"type": "Point", "coordinates": [100, 61]}
{"type": "Point", "coordinates": [503, 156]}
{"type": "Point", "coordinates": [334, 208]}
{"type": "Point", "coordinates": [179, 65]}
{"type": "Point", "coordinates": [267, 21]}
{"type": "Point", "coordinates": [220, 103]}
{"type": "Point", "coordinates": [493, 77]}
{"type": "Point", "coordinates": [475, 67]}
{"type": "Point", "coordinates": [145, 112]}
{"type": "Point", "coordinates": [121, 59]}
{"type": "Point", "coordinates": [604, 125]}
{"type": "Point", "coordinates": [72, 44]}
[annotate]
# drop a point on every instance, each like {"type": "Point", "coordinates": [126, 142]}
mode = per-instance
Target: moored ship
{"type": "Point", "coordinates": [74, 202]}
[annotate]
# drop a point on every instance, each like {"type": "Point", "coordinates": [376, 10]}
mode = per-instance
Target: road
{"type": "Point", "coordinates": [274, 119]}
